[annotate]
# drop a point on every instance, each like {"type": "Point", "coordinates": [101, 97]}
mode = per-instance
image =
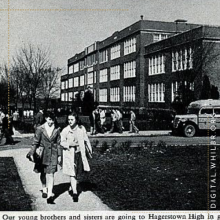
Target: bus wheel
{"type": "Point", "coordinates": [189, 130]}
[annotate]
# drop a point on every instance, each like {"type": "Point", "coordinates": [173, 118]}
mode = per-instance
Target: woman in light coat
{"type": "Point", "coordinates": [75, 143]}
{"type": "Point", "coordinates": [47, 144]}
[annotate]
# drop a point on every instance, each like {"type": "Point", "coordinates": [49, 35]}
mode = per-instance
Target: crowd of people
{"type": "Point", "coordinates": [98, 121]}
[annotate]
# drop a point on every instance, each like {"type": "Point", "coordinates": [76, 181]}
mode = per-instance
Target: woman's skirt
{"type": "Point", "coordinates": [42, 168]}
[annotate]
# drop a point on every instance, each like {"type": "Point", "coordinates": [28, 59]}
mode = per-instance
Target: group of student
{"type": "Point", "coordinates": [98, 121]}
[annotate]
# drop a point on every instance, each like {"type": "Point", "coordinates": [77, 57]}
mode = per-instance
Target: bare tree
{"type": "Point", "coordinates": [34, 74]}
{"type": "Point", "coordinates": [50, 84]}
{"type": "Point", "coordinates": [7, 91]}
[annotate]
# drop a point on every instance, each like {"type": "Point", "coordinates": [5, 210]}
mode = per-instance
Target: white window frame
{"type": "Point", "coordinates": [103, 75]}
{"type": "Point", "coordinates": [82, 80]}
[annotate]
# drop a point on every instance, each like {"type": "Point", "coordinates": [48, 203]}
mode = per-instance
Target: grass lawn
{"type": "Point", "coordinates": [152, 177]}
{"type": "Point", "coordinates": [13, 196]}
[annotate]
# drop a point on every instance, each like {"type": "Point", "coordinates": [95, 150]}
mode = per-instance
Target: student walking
{"type": "Point", "coordinates": [7, 129]}
{"type": "Point", "coordinates": [46, 146]}
{"type": "Point", "coordinates": [39, 118]}
{"type": "Point", "coordinates": [75, 143]}
{"type": "Point", "coordinates": [133, 128]}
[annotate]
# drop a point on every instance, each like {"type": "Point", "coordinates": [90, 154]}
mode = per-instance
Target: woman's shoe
{"type": "Point", "coordinates": [50, 200]}
{"type": "Point", "coordinates": [44, 195]}
{"type": "Point", "coordinates": [75, 197]}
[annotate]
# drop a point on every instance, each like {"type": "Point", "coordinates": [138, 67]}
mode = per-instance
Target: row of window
{"type": "Point", "coordinates": [128, 94]}
{"type": "Point", "coordinates": [158, 37]}
{"type": "Point", "coordinates": [115, 52]}
{"type": "Point", "coordinates": [130, 46]}
{"type": "Point", "coordinates": [115, 72]}
{"type": "Point", "coordinates": [182, 59]}
{"type": "Point", "coordinates": [130, 69]}
{"type": "Point", "coordinates": [129, 72]}
{"type": "Point", "coordinates": [178, 87]}
{"type": "Point", "coordinates": [157, 64]}
{"type": "Point", "coordinates": [156, 92]}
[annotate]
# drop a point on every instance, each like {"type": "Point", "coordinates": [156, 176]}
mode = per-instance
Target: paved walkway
{"type": "Point", "coordinates": [88, 201]}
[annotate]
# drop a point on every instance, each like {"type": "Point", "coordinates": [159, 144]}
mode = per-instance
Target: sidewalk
{"type": "Point", "coordinates": [88, 201]}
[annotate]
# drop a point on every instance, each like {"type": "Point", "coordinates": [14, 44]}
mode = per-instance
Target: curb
{"type": "Point", "coordinates": [127, 135]}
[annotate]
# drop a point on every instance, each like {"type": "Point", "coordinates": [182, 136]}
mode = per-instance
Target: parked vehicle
{"type": "Point", "coordinates": [201, 115]}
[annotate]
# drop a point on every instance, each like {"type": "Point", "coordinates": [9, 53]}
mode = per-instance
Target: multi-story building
{"type": "Point", "coordinates": [175, 67]}
{"type": "Point", "coordinates": [114, 67]}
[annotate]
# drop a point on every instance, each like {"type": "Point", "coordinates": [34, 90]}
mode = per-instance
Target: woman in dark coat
{"type": "Point", "coordinates": [47, 144]}
{"type": "Point", "coordinates": [7, 129]}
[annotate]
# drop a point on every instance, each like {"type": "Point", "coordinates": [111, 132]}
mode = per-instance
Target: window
{"type": "Point", "coordinates": [62, 97]}
{"type": "Point", "coordinates": [75, 95]}
{"type": "Point", "coordinates": [71, 83]}
{"type": "Point", "coordinates": [129, 93]}
{"type": "Point", "coordinates": [182, 59]}
{"type": "Point", "coordinates": [156, 92]}
{"type": "Point", "coordinates": [115, 52]}
{"type": "Point", "coordinates": [70, 96]}
{"type": "Point", "coordinates": [90, 78]}
{"type": "Point", "coordinates": [115, 72]}
{"type": "Point", "coordinates": [81, 65]}
{"type": "Point", "coordinates": [130, 46]}
{"type": "Point", "coordinates": [66, 84]}
{"type": "Point", "coordinates": [94, 77]}
{"type": "Point", "coordinates": [217, 111]}
{"type": "Point", "coordinates": [156, 64]}
{"type": "Point", "coordinates": [90, 60]}
{"type": "Point", "coordinates": [103, 75]}
{"type": "Point", "coordinates": [103, 95]}
{"type": "Point", "coordinates": [103, 56]}
{"type": "Point", "coordinates": [63, 85]}
{"type": "Point", "coordinates": [130, 69]}
{"type": "Point", "coordinates": [82, 80]}
{"type": "Point", "coordinates": [158, 37]}
{"type": "Point", "coordinates": [76, 82]}
{"type": "Point", "coordinates": [71, 69]}
{"type": "Point", "coordinates": [115, 94]}
{"type": "Point", "coordinates": [178, 88]}
{"type": "Point", "coordinates": [76, 67]}
{"type": "Point", "coordinates": [208, 111]}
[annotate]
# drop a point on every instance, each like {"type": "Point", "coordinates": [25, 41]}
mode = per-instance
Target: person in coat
{"type": "Point", "coordinates": [39, 118]}
{"type": "Point", "coordinates": [47, 145]}
{"type": "Point", "coordinates": [75, 143]}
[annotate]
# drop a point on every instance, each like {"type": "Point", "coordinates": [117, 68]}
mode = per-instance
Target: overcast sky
{"type": "Point", "coordinates": [69, 32]}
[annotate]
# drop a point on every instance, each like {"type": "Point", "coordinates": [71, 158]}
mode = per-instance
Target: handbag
{"type": "Point", "coordinates": [38, 153]}
{"type": "Point", "coordinates": [37, 156]}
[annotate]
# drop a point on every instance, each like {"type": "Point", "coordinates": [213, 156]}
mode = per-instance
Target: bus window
{"type": "Point", "coordinates": [208, 111]}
